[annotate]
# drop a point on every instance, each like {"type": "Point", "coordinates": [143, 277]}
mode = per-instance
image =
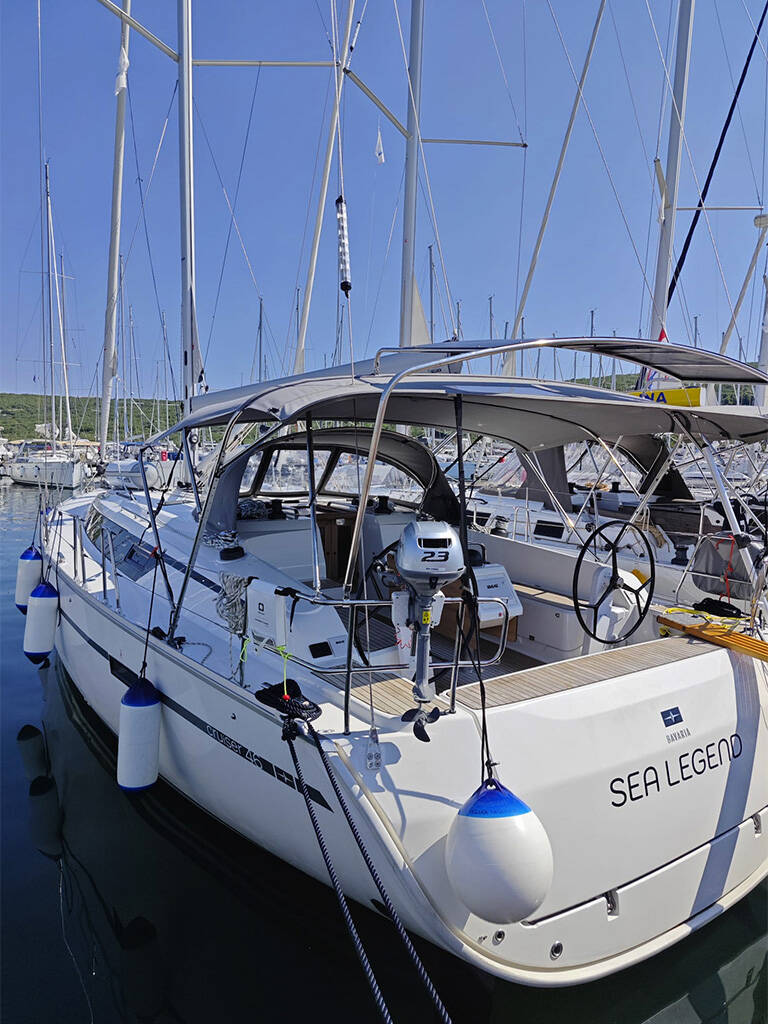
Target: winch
{"type": "Point", "coordinates": [427, 558]}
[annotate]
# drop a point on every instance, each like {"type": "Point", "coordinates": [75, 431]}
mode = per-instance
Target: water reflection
{"type": "Point", "coordinates": [170, 916]}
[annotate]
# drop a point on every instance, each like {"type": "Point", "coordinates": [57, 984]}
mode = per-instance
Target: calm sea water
{"type": "Point", "coordinates": [155, 913]}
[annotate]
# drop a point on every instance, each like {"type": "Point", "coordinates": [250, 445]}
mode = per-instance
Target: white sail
{"type": "Point", "coordinates": [419, 326]}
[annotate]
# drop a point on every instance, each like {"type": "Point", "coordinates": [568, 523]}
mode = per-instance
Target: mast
{"type": "Point", "coordinates": [42, 190]}
{"type": "Point", "coordinates": [761, 223]}
{"type": "Point", "coordinates": [123, 355]}
{"type": "Point", "coordinates": [63, 337]}
{"type": "Point", "coordinates": [761, 392]}
{"type": "Point", "coordinates": [131, 359]}
{"type": "Point", "coordinates": [411, 170]}
{"type": "Point", "coordinates": [191, 362]}
{"type": "Point", "coordinates": [671, 179]}
{"type": "Point", "coordinates": [109, 368]}
{"type": "Point", "coordinates": [261, 326]}
{"type": "Point", "coordinates": [50, 304]}
{"type": "Point", "coordinates": [431, 296]}
{"type": "Point", "coordinates": [165, 365]}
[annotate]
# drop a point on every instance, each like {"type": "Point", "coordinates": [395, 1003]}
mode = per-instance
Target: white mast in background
{"type": "Point", "coordinates": [191, 363]}
{"type": "Point", "coordinates": [761, 392]}
{"type": "Point", "coordinates": [411, 171]}
{"type": "Point", "coordinates": [109, 369]}
{"type": "Point", "coordinates": [671, 180]}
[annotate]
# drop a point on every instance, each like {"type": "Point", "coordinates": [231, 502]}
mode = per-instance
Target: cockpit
{"type": "Point", "coordinates": [271, 503]}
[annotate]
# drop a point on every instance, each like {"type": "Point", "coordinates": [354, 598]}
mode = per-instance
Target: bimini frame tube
{"type": "Point", "coordinates": [722, 492]}
{"type": "Point", "coordinates": [313, 505]}
{"type": "Point", "coordinates": [731, 516]}
{"type": "Point", "coordinates": [153, 521]}
{"type": "Point", "coordinates": [466, 355]}
{"type": "Point", "coordinates": [378, 426]}
{"type": "Point", "coordinates": [203, 517]}
{"type": "Point", "coordinates": [191, 468]}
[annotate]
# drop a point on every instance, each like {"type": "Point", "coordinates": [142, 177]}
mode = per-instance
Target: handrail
{"type": "Point", "coordinates": [202, 518]}
{"type": "Point", "coordinates": [190, 464]}
{"type": "Point", "coordinates": [153, 521]}
{"type": "Point", "coordinates": [103, 567]}
{"type": "Point", "coordinates": [79, 522]}
{"type": "Point", "coordinates": [74, 547]}
{"type": "Point", "coordinates": [368, 603]}
{"type": "Point", "coordinates": [114, 570]}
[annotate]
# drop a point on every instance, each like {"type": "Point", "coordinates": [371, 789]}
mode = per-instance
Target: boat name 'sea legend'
{"type": "Point", "coordinates": [683, 768]}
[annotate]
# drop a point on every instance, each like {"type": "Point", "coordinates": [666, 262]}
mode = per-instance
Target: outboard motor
{"type": "Point", "coordinates": [428, 557]}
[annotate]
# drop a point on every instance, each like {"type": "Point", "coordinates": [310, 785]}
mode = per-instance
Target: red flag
{"type": "Point", "coordinates": [663, 335]}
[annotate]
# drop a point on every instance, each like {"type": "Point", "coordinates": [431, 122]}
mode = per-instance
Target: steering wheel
{"type": "Point", "coordinates": [605, 551]}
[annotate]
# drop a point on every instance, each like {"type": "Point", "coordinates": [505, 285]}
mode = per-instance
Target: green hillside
{"type": "Point", "coordinates": [20, 413]}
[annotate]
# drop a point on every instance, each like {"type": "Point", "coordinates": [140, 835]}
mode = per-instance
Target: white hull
{"type": "Point", "coordinates": [48, 472]}
{"type": "Point", "coordinates": [673, 846]}
{"type": "Point", "coordinates": [126, 473]}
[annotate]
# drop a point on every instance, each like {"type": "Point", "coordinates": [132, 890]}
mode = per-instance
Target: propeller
{"type": "Point", "coordinates": [421, 719]}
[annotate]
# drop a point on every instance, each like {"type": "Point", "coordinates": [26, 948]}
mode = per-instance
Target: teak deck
{"type": "Point", "coordinates": [393, 695]}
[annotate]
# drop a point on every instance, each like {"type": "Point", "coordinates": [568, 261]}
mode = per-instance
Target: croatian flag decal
{"type": "Point", "coordinates": [671, 716]}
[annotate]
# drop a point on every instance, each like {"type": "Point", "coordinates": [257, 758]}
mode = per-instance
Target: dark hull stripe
{"type": "Point", "coordinates": [127, 676]}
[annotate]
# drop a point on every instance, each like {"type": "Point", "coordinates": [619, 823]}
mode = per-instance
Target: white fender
{"type": "Point", "coordinates": [40, 627]}
{"type": "Point", "coordinates": [498, 856]}
{"type": "Point", "coordinates": [138, 742]}
{"type": "Point", "coordinates": [28, 573]}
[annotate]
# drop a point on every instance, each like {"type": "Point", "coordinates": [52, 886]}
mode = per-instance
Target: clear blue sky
{"type": "Point", "coordinates": [587, 260]}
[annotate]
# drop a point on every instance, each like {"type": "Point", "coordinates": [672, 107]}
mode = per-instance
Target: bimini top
{"type": "Point", "coordinates": [679, 361]}
{"type": "Point", "coordinates": [530, 414]}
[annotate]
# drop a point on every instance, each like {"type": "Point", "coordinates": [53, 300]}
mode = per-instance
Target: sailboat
{"type": "Point", "coordinates": [519, 753]}
{"type": "Point", "coordinates": [54, 463]}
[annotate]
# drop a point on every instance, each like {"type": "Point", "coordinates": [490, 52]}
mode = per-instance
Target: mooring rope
{"type": "Point", "coordinates": [400, 928]}
{"type": "Point", "coordinates": [290, 730]}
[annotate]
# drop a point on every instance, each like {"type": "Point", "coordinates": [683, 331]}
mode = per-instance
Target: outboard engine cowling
{"type": "Point", "coordinates": [428, 557]}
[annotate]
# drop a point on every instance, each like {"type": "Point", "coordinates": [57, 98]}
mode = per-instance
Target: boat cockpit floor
{"type": "Point", "coordinates": [512, 680]}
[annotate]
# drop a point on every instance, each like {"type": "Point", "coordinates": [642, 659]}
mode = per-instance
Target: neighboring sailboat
{"type": "Point", "coordinates": [55, 463]}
